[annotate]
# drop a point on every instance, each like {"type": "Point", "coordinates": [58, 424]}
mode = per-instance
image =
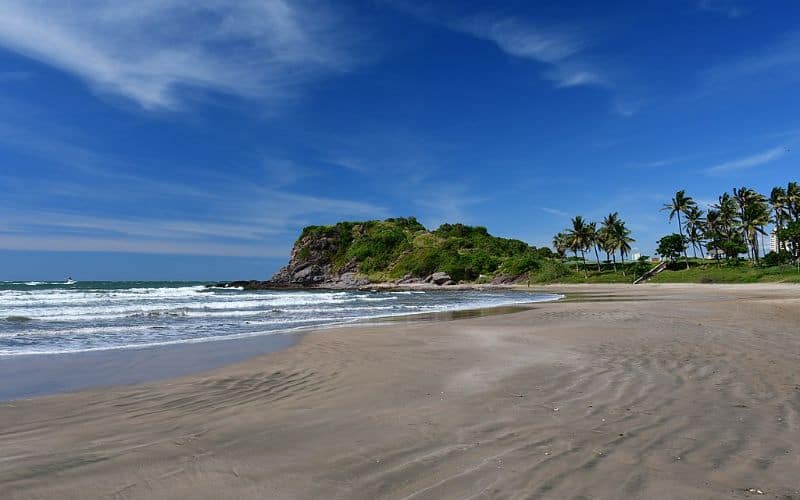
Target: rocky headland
{"type": "Point", "coordinates": [400, 252]}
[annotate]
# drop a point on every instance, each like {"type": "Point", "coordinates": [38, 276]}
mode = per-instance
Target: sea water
{"type": "Point", "coordinates": [40, 317]}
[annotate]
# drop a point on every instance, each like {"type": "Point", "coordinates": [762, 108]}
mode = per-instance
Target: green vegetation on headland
{"type": "Point", "coordinates": [400, 248]}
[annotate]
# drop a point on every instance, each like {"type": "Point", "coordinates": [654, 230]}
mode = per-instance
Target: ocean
{"type": "Point", "coordinates": [45, 317]}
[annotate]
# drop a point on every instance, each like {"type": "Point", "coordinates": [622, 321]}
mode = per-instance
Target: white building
{"type": "Point", "coordinates": [773, 241]}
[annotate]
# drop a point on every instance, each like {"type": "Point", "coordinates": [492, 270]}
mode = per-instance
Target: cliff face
{"type": "Point", "coordinates": [311, 264]}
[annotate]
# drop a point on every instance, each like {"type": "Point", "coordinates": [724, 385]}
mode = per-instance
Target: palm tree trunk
{"type": "Point", "coordinates": [680, 230]}
{"type": "Point", "coordinates": [748, 243]}
{"type": "Point", "coordinates": [597, 256]}
{"type": "Point", "coordinates": [622, 256]}
{"type": "Point", "coordinates": [755, 247]}
{"type": "Point", "coordinates": [583, 256]}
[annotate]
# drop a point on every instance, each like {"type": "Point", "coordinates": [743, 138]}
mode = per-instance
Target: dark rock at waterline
{"type": "Point", "coordinates": [508, 279]}
{"type": "Point", "coordinates": [408, 279]}
{"type": "Point", "coordinates": [18, 319]}
{"type": "Point", "coordinates": [440, 279]}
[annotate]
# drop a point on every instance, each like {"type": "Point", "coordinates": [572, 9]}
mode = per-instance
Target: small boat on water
{"type": "Point", "coordinates": [70, 281]}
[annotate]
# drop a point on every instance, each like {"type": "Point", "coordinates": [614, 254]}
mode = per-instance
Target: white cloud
{"type": "Point", "coordinates": [151, 50]}
{"type": "Point", "coordinates": [554, 211]}
{"type": "Point", "coordinates": [558, 47]}
{"type": "Point", "coordinates": [748, 161]}
{"type": "Point", "coordinates": [655, 163]}
{"type": "Point", "coordinates": [522, 39]}
{"type": "Point", "coordinates": [727, 8]}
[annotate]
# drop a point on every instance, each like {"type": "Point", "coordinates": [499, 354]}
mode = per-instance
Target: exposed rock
{"type": "Point", "coordinates": [408, 279]}
{"type": "Point", "coordinates": [310, 265]}
{"type": "Point", "coordinates": [507, 279]}
{"type": "Point", "coordinates": [350, 280]}
{"type": "Point", "coordinates": [440, 279]}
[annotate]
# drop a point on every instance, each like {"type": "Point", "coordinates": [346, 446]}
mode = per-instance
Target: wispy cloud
{"type": "Point", "coordinates": [728, 8]}
{"type": "Point", "coordinates": [520, 38]}
{"type": "Point", "coordinates": [212, 211]}
{"type": "Point", "coordinates": [259, 222]}
{"type": "Point", "coordinates": [282, 172]}
{"type": "Point", "coordinates": [108, 244]}
{"type": "Point", "coordinates": [151, 51]}
{"type": "Point", "coordinates": [554, 211]}
{"type": "Point", "coordinates": [748, 161]}
{"type": "Point", "coordinates": [559, 47]}
{"type": "Point", "coordinates": [655, 163]}
{"type": "Point", "coordinates": [780, 59]}
{"type": "Point", "coordinates": [578, 74]}
{"type": "Point", "coordinates": [664, 162]}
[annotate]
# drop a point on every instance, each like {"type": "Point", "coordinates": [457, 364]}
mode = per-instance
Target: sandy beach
{"type": "Point", "coordinates": [651, 391]}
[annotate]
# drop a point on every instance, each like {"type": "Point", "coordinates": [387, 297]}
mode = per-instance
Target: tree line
{"type": "Point", "coordinates": [730, 227]}
{"type": "Point", "coordinates": [611, 237]}
{"type": "Point", "coordinates": [733, 225]}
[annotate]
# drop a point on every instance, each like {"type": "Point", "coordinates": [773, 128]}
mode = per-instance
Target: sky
{"type": "Point", "coordinates": [193, 139]}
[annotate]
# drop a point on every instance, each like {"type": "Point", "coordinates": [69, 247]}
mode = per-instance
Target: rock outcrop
{"type": "Point", "coordinates": [440, 279]}
{"type": "Point", "coordinates": [311, 265]}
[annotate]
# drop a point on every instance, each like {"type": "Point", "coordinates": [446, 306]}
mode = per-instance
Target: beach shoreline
{"type": "Point", "coordinates": [34, 375]}
{"type": "Point", "coordinates": [648, 391]}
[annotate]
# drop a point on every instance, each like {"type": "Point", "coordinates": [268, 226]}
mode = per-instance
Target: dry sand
{"type": "Point", "coordinates": [634, 392]}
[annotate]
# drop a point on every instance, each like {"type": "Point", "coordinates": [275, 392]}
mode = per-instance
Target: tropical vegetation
{"type": "Point", "coordinates": [732, 227]}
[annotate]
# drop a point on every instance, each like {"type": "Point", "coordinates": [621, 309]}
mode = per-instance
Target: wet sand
{"type": "Point", "coordinates": [653, 391]}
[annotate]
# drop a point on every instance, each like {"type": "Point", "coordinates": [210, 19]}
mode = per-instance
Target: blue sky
{"type": "Point", "coordinates": [178, 139]}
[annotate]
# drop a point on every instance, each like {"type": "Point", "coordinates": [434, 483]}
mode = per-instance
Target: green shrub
{"type": "Point", "coordinates": [521, 264]}
{"type": "Point", "coordinates": [773, 259]}
{"type": "Point", "coordinates": [420, 262]}
{"type": "Point", "coordinates": [552, 270]}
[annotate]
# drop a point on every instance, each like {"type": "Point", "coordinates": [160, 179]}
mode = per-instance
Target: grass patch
{"type": "Point", "coordinates": [709, 272]}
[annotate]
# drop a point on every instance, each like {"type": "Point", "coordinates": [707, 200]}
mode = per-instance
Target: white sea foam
{"type": "Point", "coordinates": [44, 319]}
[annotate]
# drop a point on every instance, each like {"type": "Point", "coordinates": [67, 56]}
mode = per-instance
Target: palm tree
{"type": "Point", "coordinates": [623, 240]}
{"type": "Point", "coordinates": [793, 200]}
{"type": "Point", "coordinates": [608, 237]}
{"type": "Point", "coordinates": [579, 238]}
{"type": "Point", "coordinates": [780, 209]}
{"type": "Point", "coordinates": [742, 197]}
{"type": "Point", "coordinates": [728, 218]}
{"type": "Point", "coordinates": [561, 244]}
{"type": "Point", "coordinates": [594, 240]}
{"type": "Point", "coordinates": [694, 225]}
{"type": "Point", "coordinates": [754, 217]}
{"type": "Point", "coordinates": [679, 204]}
{"type": "Point", "coordinates": [712, 232]}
